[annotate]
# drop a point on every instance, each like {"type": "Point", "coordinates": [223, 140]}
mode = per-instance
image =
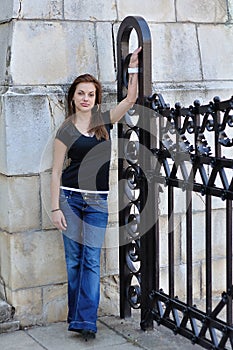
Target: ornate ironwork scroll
{"type": "Point", "coordinates": [186, 160]}
{"type": "Point", "coordinates": [164, 148]}
{"type": "Point", "coordinates": [133, 190]}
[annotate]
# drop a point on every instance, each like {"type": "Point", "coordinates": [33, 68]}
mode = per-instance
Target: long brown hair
{"type": "Point", "coordinates": [96, 124]}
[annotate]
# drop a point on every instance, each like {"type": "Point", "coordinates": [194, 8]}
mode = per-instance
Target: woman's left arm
{"type": "Point", "coordinates": [117, 113]}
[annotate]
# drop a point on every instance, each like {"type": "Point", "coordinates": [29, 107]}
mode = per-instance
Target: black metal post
{"type": "Point", "coordinates": [144, 82]}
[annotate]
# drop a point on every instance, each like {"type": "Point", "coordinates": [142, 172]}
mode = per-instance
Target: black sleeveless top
{"type": "Point", "coordinates": [89, 157]}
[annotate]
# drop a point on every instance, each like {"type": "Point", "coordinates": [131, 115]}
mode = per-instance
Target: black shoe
{"type": "Point", "coordinates": [88, 334]}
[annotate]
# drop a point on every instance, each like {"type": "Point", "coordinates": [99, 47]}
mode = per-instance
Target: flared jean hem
{"type": "Point", "coordinates": [76, 326]}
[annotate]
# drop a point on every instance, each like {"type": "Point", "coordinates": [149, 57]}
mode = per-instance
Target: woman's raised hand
{"type": "Point", "coordinates": [134, 58]}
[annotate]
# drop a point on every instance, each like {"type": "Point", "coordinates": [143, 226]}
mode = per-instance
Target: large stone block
{"type": "Point", "coordinates": [161, 11]}
{"type": "Point", "coordinates": [175, 53]}
{"type": "Point", "coordinates": [216, 53]}
{"type": "Point", "coordinates": [43, 9]}
{"type": "Point", "coordinates": [52, 52]}
{"type": "Point", "coordinates": [32, 259]}
{"type": "Point", "coordinates": [6, 9]}
{"type": "Point", "coordinates": [82, 10]}
{"type": "Point", "coordinates": [28, 305]}
{"type": "Point", "coordinates": [205, 11]}
{"type": "Point", "coordinates": [27, 123]}
{"type": "Point", "coordinates": [22, 211]}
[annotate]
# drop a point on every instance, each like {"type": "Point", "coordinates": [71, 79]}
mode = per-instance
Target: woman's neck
{"type": "Point", "coordinates": [82, 123]}
{"type": "Point", "coordinates": [84, 118]}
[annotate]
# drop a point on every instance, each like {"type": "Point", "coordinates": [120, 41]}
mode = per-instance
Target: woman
{"type": "Point", "coordinates": [79, 205]}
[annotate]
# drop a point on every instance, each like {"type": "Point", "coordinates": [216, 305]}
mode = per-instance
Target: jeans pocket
{"type": "Point", "coordinates": [62, 198]}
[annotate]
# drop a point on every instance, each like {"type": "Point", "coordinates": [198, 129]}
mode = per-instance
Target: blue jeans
{"type": "Point", "coordinates": [87, 217]}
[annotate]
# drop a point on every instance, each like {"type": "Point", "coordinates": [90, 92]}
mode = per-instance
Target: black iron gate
{"type": "Point", "coordinates": [164, 150]}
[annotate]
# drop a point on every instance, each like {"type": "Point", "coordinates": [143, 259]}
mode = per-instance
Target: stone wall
{"type": "Point", "coordinates": [44, 45]}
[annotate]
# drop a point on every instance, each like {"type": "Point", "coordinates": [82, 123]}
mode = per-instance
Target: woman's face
{"type": "Point", "coordinates": [84, 97]}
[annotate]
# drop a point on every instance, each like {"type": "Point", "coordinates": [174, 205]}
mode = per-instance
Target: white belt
{"type": "Point", "coordinates": [83, 191]}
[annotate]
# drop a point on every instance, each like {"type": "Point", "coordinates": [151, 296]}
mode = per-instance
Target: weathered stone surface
{"type": "Point", "coordinates": [6, 312]}
{"type": "Point", "coordinates": [54, 303]}
{"type": "Point", "coordinates": [2, 285]}
{"type": "Point", "coordinates": [30, 119]}
{"type": "Point", "coordinates": [214, 11]}
{"type": "Point", "coordinates": [230, 10]}
{"type": "Point", "coordinates": [36, 44]}
{"type": "Point", "coordinates": [111, 262]}
{"type": "Point", "coordinates": [186, 93]}
{"type": "Point", "coordinates": [111, 237]}
{"type": "Point", "coordinates": [105, 53]}
{"type": "Point", "coordinates": [6, 9]}
{"type": "Point", "coordinates": [164, 236]}
{"type": "Point", "coordinates": [215, 59]}
{"type": "Point", "coordinates": [180, 203]}
{"type": "Point", "coordinates": [22, 211]}
{"type": "Point", "coordinates": [28, 305]}
{"type": "Point", "coordinates": [32, 259]}
{"type": "Point", "coordinates": [174, 59]}
{"type": "Point", "coordinates": [218, 277]}
{"type": "Point", "coordinates": [199, 238]}
{"type": "Point", "coordinates": [109, 296]}
{"type": "Point", "coordinates": [9, 326]}
{"type": "Point", "coordinates": [180, 273]}
{"type": "Point", "coordinates": [113, 197]}
{"type": "Point", "coordinates": [161, 11]}
{"type": "Point", "coordinates": [5, 265]}
{"type": "Point", "coordinates": [5, 54]}
{"type": "Point", "coordinates": [46, 201]}
{"type": "Point", "coordinates": [82, 10]}
{"type": "Point", "coordinates": [43, 9]}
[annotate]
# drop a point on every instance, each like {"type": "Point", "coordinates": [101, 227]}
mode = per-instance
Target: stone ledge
{"type": "Point", "coordinates": [9, 326]}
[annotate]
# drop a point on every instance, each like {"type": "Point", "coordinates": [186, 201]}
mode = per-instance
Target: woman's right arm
{"type": "Point", "coordinates": [59, 153]}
